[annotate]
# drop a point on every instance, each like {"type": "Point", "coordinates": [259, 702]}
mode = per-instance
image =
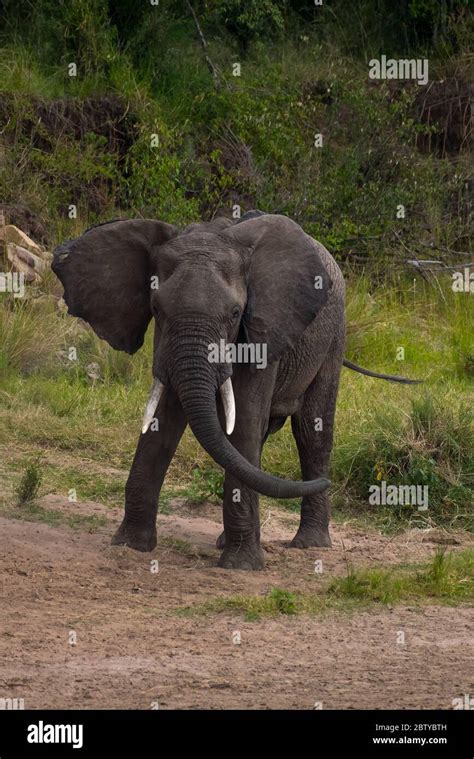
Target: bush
{"type": "Point", "coordinates": [207, 484]}
{"type": "Point", "coordinates": [29, 485]}
{"type": "Point", "coordinates": [433, 445]}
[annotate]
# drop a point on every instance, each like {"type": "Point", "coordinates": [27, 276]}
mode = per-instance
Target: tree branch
{"type": "Point", "coordinates": [202, 39]}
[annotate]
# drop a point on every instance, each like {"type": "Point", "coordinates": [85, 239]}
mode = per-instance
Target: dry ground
{"type": "Point", "coordinates": [133, 648]}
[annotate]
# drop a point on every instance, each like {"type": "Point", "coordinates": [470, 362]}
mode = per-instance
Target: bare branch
{"type": "Point", "coordinates": [202, 39]}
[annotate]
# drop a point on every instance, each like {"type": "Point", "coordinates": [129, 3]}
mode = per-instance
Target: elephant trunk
{"type": "Point", "coordinates": [197, 385]}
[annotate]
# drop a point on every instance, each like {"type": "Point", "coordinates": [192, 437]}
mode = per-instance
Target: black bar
{"type": "Point", "coordinates": [140, 733]}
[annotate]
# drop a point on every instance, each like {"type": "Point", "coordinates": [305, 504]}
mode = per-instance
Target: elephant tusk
{"type": "Point", "coordinates": [227, 395]}
{"type": "Point", "coordinates": [151, 406]}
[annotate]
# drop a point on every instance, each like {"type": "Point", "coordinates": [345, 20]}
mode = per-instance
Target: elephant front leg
{"type": "Point", "coordinates": [152, 458]}
{"type": "Point", "coordinates": [241, 537]}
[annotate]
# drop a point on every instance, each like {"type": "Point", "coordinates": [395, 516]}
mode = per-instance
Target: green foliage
{"type": "Point", "coordinates": [284, 600]}
{"type": "Point", "coordinates": [247, 20]}
{"type": "Point", "coordinates": [76, 32]}
{"type": "Point", "coordinates": [250, 141]}
{"type": "Point", "coordinates": [368, 28]}
{"type": "Point", "coordinates": [30, 335]}
{"type": "Point", "coordinates": [433, 445]}
{"type": "Point", "coordinates": [29, 484]}
{"type": "Point", "coordinates": [143, 130]}
{"type": "Point", "coordinates": [447, 578]}
{"type": "Point", "coordinates": [156, 180]}
{"type": "Point", "coordinates": [32, 512]}
{"type": "Point", "coordinates": [87, 29]}
{"type": "Point", "coordinates": [207, 484]}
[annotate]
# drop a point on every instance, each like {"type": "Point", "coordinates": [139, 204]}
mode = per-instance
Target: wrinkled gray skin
{"type": "Point", "coordinates": [252, 281]}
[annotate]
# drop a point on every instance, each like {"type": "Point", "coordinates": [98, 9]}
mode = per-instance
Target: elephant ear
{"type": "Point", "coordinates": [106, 278]}
{"type": "Point", "coordinates": [287, 282]}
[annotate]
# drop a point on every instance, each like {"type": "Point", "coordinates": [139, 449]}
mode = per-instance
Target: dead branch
{"type": "Point", "coordinates": [202, 39]}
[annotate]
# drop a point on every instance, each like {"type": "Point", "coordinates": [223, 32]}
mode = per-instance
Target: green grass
{"type": "Point", "coordinates": [249, 141]}
{"type": "Point", "coordinates": [33, 512]}
{"type": "Point", "coordinates": [405, 435]}
{"type": "Point", "coordinates": [89, 482]}
{"type": "Point", "coordinates": [207, 485]}
{"type": "Point", "coordinates": [90, 486]}
{"type": "Point", "coordinates": [29, 484]}
{"type": "Point", "coordinates": [430, 444]}
{"type": "Point", "coordinates": [447, 579]}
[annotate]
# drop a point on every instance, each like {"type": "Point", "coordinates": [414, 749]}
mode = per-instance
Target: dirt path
{"type": "Point", "coordinates": [133, 648]}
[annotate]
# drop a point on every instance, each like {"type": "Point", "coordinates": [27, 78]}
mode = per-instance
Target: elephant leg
{"type": "Point", "coordinates": [241, 537]}
{"type": "Point", "coordinates": [274, 425]}
{"type": "Point", "coordinates": [313, 428]}
{"type": "Point", "coordinates": [152, 458]}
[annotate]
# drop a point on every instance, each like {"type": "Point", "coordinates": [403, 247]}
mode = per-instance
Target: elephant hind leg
{"type": "Point", "coordinates": [312, 427]}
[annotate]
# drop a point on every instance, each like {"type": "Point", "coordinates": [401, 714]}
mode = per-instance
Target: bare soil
{"type": "Point", "coordinates": [133, 649]}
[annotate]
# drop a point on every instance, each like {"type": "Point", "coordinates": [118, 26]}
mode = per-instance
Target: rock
{"type": "Point", "coordinates": [93, 372]}
{"type": "Point", "coordinates": [26, 219]}
{"type": "Point", "coordinates": [9, 233]}
{"type": "Point", "coordinates": [25, 262]}
{"type": "Point", "coordinates": [440, 537]}
{"type": "Point", "coordinates": [22, 254]}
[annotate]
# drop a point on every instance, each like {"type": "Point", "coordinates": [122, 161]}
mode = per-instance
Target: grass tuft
{"type": "Point", "coordinates": [447, 578]}
{"type": "Point", "coordinates": [29, 484]}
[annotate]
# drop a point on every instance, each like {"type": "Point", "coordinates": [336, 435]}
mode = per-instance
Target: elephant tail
{"type": "Point", "coordinates": [390, 377]}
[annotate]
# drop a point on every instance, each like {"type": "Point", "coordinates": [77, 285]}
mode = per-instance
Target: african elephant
{"type": "Point", "coordinates": [271, 299]}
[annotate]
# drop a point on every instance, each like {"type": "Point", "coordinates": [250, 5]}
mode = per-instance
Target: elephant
{"type": "Point", "coordinates": [257, 282]}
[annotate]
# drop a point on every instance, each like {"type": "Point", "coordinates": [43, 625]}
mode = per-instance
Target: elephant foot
{"type": "Point", "coordinates": [312, 537]}
{"type": "Point", "coordinates": [139, 539]}
{"type": "Point", "coordinates": [242, 557]}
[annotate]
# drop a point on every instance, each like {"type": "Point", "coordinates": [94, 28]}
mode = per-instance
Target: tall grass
{"type": "Point", "coordinates": [406, 435]}
{"type": "Point", "coordinates": [30, 335]}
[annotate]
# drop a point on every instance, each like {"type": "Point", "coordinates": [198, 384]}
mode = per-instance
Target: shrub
{"type": "Point", "coordinates": [29, 484]}
{"type": "Point", "coordinates": [433, 445]}
{"type": "Point", "coordinates": [207, 484]}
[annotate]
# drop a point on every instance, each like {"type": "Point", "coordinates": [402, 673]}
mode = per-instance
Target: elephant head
{"type": "Point", "coordinates": [203, 286]}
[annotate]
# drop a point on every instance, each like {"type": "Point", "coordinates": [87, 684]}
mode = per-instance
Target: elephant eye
{"type": "Point", "coordinates": [235, 313]}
